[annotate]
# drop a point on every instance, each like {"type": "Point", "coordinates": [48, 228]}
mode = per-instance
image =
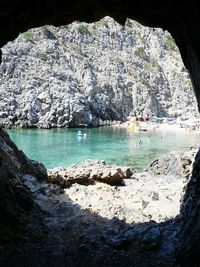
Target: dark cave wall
{"type": "Point", "coordinates": [16, 203]}
{"type": "Point", "coordinates": [181, 19]}
{"type": "Point", "coordinates": [189, 239]}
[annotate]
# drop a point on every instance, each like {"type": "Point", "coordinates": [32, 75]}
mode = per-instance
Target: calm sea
{"type": "Point", "coordinates": [62, 147]}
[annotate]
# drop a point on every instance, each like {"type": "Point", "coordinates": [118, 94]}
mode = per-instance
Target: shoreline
{"type": "Point", "coordinates": [149, 126]}
{"type": "Point", "coordinates": [160, 127]}
{"type": "Point", "coordinates": [191, 126]}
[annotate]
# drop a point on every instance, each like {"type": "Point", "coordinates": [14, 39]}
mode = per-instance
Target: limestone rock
{"type": "Point", "coordinates": [89, 172]}
{"type": "Point", "coordinates": [135, 201]}
{"type": "Point", "coordinates": [92, 74]}
{"type": "Point", "coordinates": [176, 163]}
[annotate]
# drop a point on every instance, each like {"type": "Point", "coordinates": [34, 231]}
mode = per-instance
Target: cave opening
{"type": "Point", "coordinates": [188, 45]}
{"type": "Point", "coordinates": [119, 73]}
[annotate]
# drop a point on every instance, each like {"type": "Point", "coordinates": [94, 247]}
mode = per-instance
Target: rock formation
{"type": "Point", "coordinates": [16, 202]}
{"type": "Point", "coordinates": [92, 74]}
{"type": "Point", "coordinates": [182, 20]}
{"type": "Point", "coordinates": [174, 163]}
{"type": "Point", "coordinates": [89, 172]}
{"type": "Point", "coordinates": [153, 194]}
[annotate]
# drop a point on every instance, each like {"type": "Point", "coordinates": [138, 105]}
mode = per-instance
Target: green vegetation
{"type": "Point", "coordinates": [147, 66]}
{"type": "Point", "coordinates": [27, 35]}
{"type": "Point", "coordinates": [183, 79]}
{"type": "Point", "coordinates": [82, 29]}
{"type": "Point", "coordinates": [86, 42]}
{"type": "Point", "coordinates": [189, 82]}
{"type": "Point", "coordinates": [119, 61]}
{"type": "Point", "coordinates": [144, 81]}
{"type": "Point", "coordinates": [142, 38]}
{"type": "Point", "coordinates": [170, 42]}
{"type": "Point", "coordinates": [103, 23]}
{"type": "Point", "coordinates": [77, 50]}
{"type": "Point", "coordinates": [140, 52]}
{"type": "Point", "coordinates": [155, 64]}
{"type": "Point", "coordinates": [94, 31]}
{"type": "Point", "coordinates": [42, 56]}
{"type": "Point", "coordinates": [152, 64]}
{"type": "Point", "coordinates": [180, 77]}
{"type": "Point", "coordinates": [152, 91]}
{"type": "Point", "coordinates": [63, 27]}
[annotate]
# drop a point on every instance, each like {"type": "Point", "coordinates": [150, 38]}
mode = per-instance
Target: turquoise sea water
{"type": "Point", "coordinates": [62, 147]}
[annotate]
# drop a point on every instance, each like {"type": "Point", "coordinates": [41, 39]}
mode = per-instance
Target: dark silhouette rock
{"type": "Point", "coordinates": [16, 203]}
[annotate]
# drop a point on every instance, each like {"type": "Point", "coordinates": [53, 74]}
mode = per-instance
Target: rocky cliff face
{"type": "Point", "coordinates": [92, 74]}
{"type": "Point", "coordinates": [16, 203]}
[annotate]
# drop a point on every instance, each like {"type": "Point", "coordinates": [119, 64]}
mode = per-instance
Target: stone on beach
{"type": "Point", "coordinates": [175, 163]}
{"type": "Point", "coordinates": [89, 172]}
{"type": "Point", "coordinates": [154, 194]}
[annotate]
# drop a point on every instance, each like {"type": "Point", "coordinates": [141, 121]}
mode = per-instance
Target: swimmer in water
{"type": "Point", "coordinates": [139, 144]}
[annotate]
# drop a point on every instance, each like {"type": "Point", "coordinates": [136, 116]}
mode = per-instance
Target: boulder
{"type": "Point", "coordinates": [176, 163]}
{"type": "Point", "coordinates": [89, 172]}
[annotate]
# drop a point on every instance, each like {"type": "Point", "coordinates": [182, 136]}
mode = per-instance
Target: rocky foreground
{"type": "Point", "coordinates": [92, 74]}
{"type": "Point", "coordinates": [112, 191]}
{"type": "Point", "coordinates": [72, 222]}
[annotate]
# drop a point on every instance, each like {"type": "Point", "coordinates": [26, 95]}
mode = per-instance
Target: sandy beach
{"type": "Point", "coordinates": [150, 126]}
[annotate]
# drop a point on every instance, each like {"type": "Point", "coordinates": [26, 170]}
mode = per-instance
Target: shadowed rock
{"type": "Point", "coordinates": [15, 200]}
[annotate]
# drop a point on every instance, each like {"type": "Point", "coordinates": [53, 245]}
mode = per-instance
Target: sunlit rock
{"type": "Point", "coordinates": [92, 74]}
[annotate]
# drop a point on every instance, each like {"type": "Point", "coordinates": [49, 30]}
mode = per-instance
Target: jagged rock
{"type": "Point", "coordinates": [136, 201]}
{"type": "Point", "coordinates": [92, 74]}
{"type": "Point", "coordinates": [15, 199]}
{"type": "Point", "coordinates": [89, 172]}
{"type": "Point", "coordinates": [176, 163]}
